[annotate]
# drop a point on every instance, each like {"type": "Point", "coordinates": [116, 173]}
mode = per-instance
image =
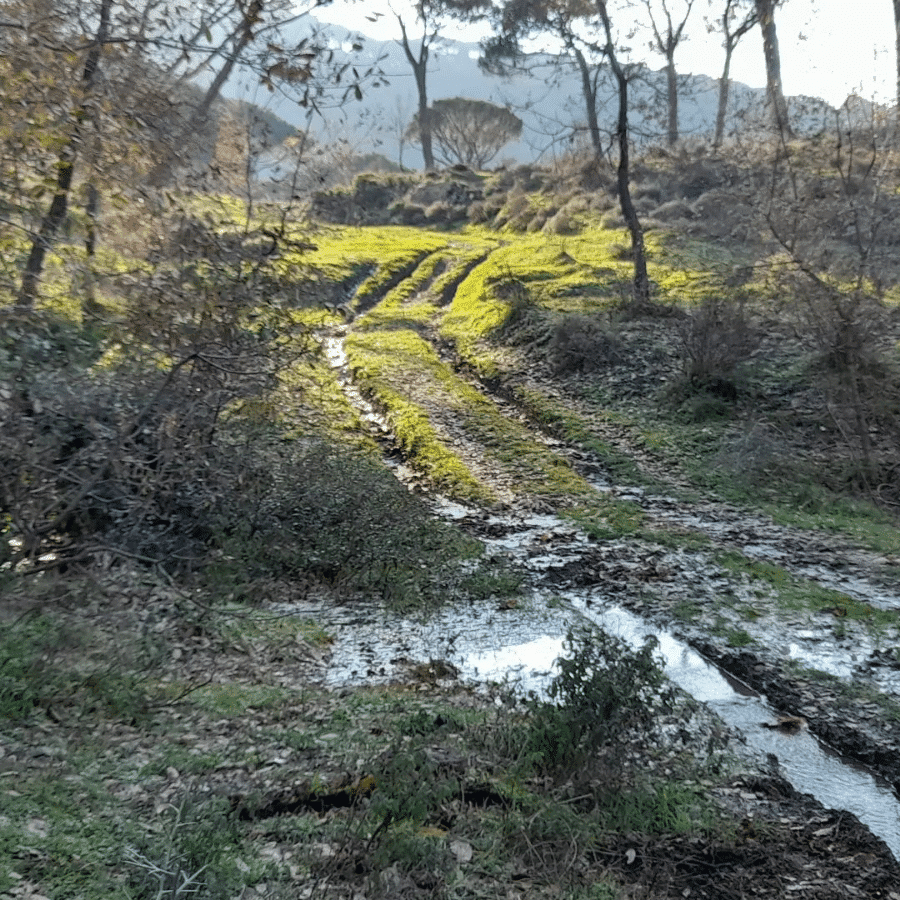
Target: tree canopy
{"type": "Point", "coordinates": [467, 131]}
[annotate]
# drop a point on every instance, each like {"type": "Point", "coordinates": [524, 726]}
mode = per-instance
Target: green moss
{"type": "Point", "coordinates": [341, 251]}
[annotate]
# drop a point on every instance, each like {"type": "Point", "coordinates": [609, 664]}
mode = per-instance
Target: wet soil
{"type": "Point", "coordinates": [787, 844]}
{"type": "Point", "coordinates": [796, 850]}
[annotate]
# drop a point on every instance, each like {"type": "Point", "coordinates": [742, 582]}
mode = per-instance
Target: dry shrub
{"type": "Point", "coordinates": [538, 221]}
{"type": "Point", "coordinates": [408, 214]}
{"type": "Point", "coordinates": [758, 450]}
{"type": "Point", "coordinates": [482, 211]}
{"type": "Point", "coordinates": [440, 213]}
{"type": "Point", "coordinates": [582, 343]}
{"type": "Point", "coordinates": [715, 340]}
{"type": "Point", "coordinates": [569, 219]}
{"type": "Point", "coordinates": [133, 459]}
{"type": "Point", "coordinates": [612, 219]}
{"type": "Point", "coordinates": [674, 211]}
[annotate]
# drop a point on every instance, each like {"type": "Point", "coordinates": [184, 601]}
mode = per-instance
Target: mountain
{"type": "Point", "coordinates": [550, 102]}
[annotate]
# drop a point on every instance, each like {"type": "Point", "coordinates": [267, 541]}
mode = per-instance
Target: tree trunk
{"type": "Point", "coordinates": [91, 213]}
{"type": "Point", "coordinates": [641, 281]}
{"type": "Point", "coordinates": [420, 71]}
{"type": "Point", "coordinates": [724, 89]}
{"type": "Point", "coordinates": [731, 41]}
{"type": "Point", "coordinates": [424, 116]}
{"type": "Point", "coordinates": [765, 10]}
{"type": "Point", "coordinates": [672, 88]}
{"type": "Point", "coordinates": [244, 35]}
{"type": "Point", "coordinates": [589, 89]}
{"type": "Point", "coordinates": [65, 169]}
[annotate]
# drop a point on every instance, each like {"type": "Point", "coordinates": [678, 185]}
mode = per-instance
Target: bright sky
{"type": "Point", "coordinates": [829, 48]}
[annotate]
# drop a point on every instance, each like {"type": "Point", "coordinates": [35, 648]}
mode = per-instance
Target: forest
{"type": "Point", "coordinates": [299, 447]}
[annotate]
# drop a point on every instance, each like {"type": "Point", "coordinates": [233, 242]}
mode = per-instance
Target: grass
{"type": "Point", "coordinates": [606, 518]}
{"type": "Point", "coordinates": [127, 810]}
{"type": "Point", "coordinates": [340, 252]}
{"type": "Point", "coordinates": [800, 594]}
{"type": "Point", "coordinates": [580, 270]}
{"type": "Point", "coordinates": [127, 795]}
{"type": "Point", "coordinates": [575, 429]}
{"type": "Point", "coordinates": [65, 833]}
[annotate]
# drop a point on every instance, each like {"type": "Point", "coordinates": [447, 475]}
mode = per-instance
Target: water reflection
{"type": "Point", "coordinates": [811, 767]}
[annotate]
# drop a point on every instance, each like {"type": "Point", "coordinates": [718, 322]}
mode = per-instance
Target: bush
{"type": "Point", "coordinates": [715, 340]}
{"type": "Point", "coordinates": [333, 516]}
{"type": "Point", "coordinates": [582, 344]}
{"type": "Point", "coordinates": [604, 693]}
{"type": "Point", "coordinates": [193, 854]}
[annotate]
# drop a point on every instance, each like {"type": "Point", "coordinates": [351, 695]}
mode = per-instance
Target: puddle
{"type": "Point", "coordinates": [811, 767]}
{"type": "Point", "coordinates": [520, 646]}
{"type": "Point", "coordinates": [333, 349]}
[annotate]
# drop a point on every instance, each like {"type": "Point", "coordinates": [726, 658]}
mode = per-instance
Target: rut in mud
{"type": "Point", "coordinates": [715, 575]}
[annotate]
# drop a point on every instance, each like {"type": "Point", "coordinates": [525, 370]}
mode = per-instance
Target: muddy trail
{"type": "Point", "coordinates": [802, 619]}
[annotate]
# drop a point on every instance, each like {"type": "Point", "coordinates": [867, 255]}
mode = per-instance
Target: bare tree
{"type": "Point", "coordinates": [244, 23]}
{"type": "Point", "coordinates": [398, 117]}
{"type": "Point", "coordinates": [666, 38]}
{"type": "Point", "coordinates": [433, 15]}
{"type": "Point", "coordinates": [107, 79]}
{"type": "Point", "coordinates": [833, 211]}
{"type": "Point", "coordinates": [765, 15]}
{"type": "Point", "coordinates": [641, 280]}
{"type": "Point", "coordinates": [733, 26]}
{"type": "Point", "coordinates": [65, 166]}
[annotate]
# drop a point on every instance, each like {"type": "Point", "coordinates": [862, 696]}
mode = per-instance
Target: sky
{"type": "Point", "coordinates": [827, 50]}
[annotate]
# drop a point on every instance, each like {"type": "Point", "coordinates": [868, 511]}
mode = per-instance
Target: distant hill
{"type": "Point", "coordinates": [551, 110]}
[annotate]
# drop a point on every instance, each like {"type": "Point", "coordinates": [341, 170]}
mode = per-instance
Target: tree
{"type": "Point", "coordinates": [65, 164]}
{"type": "Point", "coordinates": [765, 15]}
{"type": "Point", "coordinates": [665, 41]}
{"type": "Point", "coordinates": [517, 20]}
{"type": "Point", "coordinates": [470, 132]}
{"type": "Point", "coordinates": [641, 281]}
{"type": "Point", "coordinates": [244, 23]}
{"type": "Point", "coordinates": [733, 29]}
{"type": "Point", "coordinates": [833, 209]}
{"type": "Point", "coordinates": [433, 15]}
{"type": "Point", "coordinates": [88, 83]}
{"type": "Point", "coordinates": [562, 16]}
{"type": "Point", "coordinates": [520, 19]}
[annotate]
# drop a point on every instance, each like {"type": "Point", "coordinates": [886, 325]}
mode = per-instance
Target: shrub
{"type": "Point", "coordinates": [335, 516]}
{"type": "Point", "coordinates": [193, 854]}
{"type": "Point", "coordinates": [128, 444]}
{"type": "Point", "coordinates": [715, 340]}
{"type": "Point", "coordinates": [605, 692]}
{"type": "Point", "coordinates": [582, 344]}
